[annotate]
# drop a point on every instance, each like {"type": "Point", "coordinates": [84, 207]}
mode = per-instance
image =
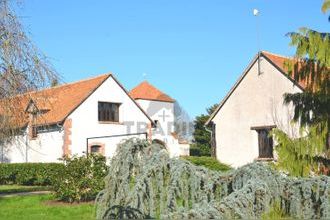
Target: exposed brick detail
{"type": "Point", "coordinates": [67, 137]}
{"type": "Point", "coordinates": [102, 147]}
{"type": "Point", "coordinates": [150, 132]}
{"type": "Point", "coordinates": [30, 127]}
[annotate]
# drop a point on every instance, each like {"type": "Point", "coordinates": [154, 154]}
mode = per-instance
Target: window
{"type": "Point", "coordinates": [34, 132]}
{"type": "Point", "coordinates": [108, 112]}
{"type": "Point", "coordinates": [95, 149]}
{"type": "Point", "coordinates": [265, 144]}
{"type": "Point", "coordinates": [265, 141]}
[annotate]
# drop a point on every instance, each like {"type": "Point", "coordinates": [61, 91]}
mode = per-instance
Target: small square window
{"type": "Point", "coordinates": [108, 112]}
{"type": "Point", "coordinates": [34, 132]}
{"type": "Point", "coordinates": [95, 149]}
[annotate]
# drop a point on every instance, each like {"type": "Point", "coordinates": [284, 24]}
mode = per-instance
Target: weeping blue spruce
{"type": "Point", "coordinates": [143, 182]}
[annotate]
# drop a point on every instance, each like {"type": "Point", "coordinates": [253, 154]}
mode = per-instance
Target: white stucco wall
{"type": "Point", "coordinates": [85, 122]}
{"type": "Point", "coordinates": [46, 148]}
{"type": "Point", "coordinates": [163, 112]}
{"type": "Point", "coordinates": [257, 101]}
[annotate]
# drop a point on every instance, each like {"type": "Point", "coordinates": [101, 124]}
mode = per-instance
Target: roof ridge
{"type": "Point", "coordinates": [278, 55]}
{"type": "Point", "coordinates": [62, 85]}
{"type": "Point", "coordinates": [139, 92]}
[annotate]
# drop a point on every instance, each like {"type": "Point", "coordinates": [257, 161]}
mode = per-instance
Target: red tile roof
{"type": "Point", "coordinates": [282, 63]}
{"type": "Point", "coordinates": [55, 103]}
{"type": "Point", "coordinates": [148, 92]}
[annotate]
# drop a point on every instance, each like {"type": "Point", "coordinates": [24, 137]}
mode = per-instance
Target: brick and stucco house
{"type": "Point", "coordinates": [88, 116]}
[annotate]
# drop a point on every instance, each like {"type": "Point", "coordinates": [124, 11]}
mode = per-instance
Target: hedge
{"type": "Point", "coordinates": [208, 162]}
{"type": "Point", "coordinates": [30, 174]}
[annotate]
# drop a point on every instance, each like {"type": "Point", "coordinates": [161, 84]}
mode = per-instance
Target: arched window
{"type": "Point", "coordinates": [95, 149]}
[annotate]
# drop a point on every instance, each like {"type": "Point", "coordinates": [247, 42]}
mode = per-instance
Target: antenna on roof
{"type": "Point", "coordinates": [256, 14]}
{"type": "Point", "coordinates": [144, 75]}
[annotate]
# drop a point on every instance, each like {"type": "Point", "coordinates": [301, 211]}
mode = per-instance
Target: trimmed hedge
{"type": "Point", "coordinates": [30, 174]}
{"type": "Point", "coordinates": [208, 162]}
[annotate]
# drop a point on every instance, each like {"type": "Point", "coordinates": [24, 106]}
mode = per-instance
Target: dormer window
{"type": "Point", "coordinates": [108, 112]}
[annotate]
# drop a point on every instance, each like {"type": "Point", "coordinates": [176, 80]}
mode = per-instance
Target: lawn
{"type": "Point", "coordinates": [20, 188]}
{"type": "Point", "coordinates": [208, 162]}
{"type": "Point", "coordinates": [40, 207]}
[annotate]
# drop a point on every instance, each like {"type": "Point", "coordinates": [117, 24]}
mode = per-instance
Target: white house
{"type": "Point", "coordinates": [160, 107]}
{"type": "Point", "coordinates": [254, 106]}
{"type": "Point", "coordinates": [87, 116]}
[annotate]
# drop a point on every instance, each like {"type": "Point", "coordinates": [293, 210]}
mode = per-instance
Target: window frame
{"type": "Point", "coordinates": [267, 129]}
{"type": "Point", "coordinates": [107, 116]}
{"type": "Point", "coordinates": [99, 148]}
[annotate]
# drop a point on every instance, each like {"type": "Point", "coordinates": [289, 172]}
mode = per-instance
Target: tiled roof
{"type": "Point", "coordinates": [281, 62]}
{"type": "Point", "coordinates": [148, 92]}
{"type": "Point", "coordinates": [278, 61]}
{"type": "Point", "coordinates": [54, 104]}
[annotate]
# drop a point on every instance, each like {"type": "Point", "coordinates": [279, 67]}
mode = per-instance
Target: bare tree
{"type": "Point", "coordinates": [23, 68]}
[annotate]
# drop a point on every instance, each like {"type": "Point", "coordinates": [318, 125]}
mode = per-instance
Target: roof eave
{"type": "Point", "coordinates": [242, 77]}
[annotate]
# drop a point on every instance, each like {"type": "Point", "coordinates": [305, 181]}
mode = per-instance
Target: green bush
{"type": "Point", "coordinates": [208, 162]}
{"type": "Point", "coordinates": [194, 151]}
{"type": "Point", "coordinates": [200, 150]}
{"type": "Point", "coordinates": [81, 179]}
{"type": "Point", "coordinates": [31, 174]}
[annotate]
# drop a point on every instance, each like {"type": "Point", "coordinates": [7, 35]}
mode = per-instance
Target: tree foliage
{"type": "Point", "coordinates": [202, 137]}
{"type": "Point", "coordinates": [311, 68]}
{"type": "Point", "coordinates": [23, 67]}
{"type": "Point", "coordinates": [144, 183]}
{"type": "Point", "coordinates": [301, 156]}
{"type": "Point", "coordinates": [81, 178]}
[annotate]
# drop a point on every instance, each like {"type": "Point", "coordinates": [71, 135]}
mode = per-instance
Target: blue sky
{"type": "Point", "coordinates": [194, 50]}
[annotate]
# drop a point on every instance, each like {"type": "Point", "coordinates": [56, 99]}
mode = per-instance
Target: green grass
{"type": "Point", "coordinates": [208, 162]}
{"type": "Point", "coordinates": [20, 188]}
{"type": "Point", "coordinates": [36, 207]}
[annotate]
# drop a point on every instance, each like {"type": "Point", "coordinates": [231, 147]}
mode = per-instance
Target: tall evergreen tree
{"type": "Point", "coordinates": [312, 107]}
{"type": "Point", "coordinates": [202, 137]}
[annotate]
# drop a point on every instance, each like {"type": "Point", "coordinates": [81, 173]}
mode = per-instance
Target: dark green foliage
{"type": "Point", "coordinates": [170, 188]}
{"type": "Point", "coordinates": [306, 155]}
{"type": "Point", "coordinates": [4, 189]}
{"type": "Point", "coordinates": [41, 174]}
{"type": "Point", "coordinates": [194, 150]}
{"type": "Point", "coordinates": [208, 162]}
{"type": "Point", "coordinates": [300, 157]}
{"type": "Point", "coordinates": [202, 137]}
{"type": "Point", "coordinates": [81, 178]}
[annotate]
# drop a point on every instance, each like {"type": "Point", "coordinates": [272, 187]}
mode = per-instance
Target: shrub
{"type": "Point", "coordinates": [200, 150]}
{"type": "Point", "coordinates": [81, 179]}
{"type": "Point", "coordinates": [208, 162]}
{"type": "Point", "coordinates": [31, 174]}
{"type": "Point", "coordinates": [194, 150]}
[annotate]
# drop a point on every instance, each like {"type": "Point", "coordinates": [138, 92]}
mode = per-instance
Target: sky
{"type": "Point", "coordinates": [193, 50]}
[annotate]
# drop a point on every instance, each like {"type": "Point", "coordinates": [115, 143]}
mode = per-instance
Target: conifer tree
{"type": "Point", "coordinates": [312, 107]}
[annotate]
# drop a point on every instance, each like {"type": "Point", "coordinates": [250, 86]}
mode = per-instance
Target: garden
{"type": "Point", "coordinates": [61, 190]}
{"type": "Point", "coordinates": [142, 181]}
